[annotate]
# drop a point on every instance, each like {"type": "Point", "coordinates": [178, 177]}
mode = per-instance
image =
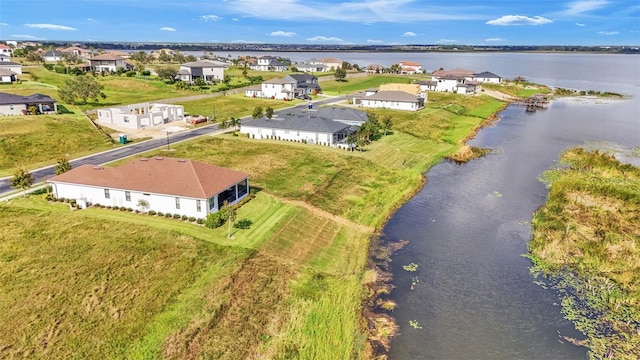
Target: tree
{"type": "Point", "coordinates": [395, 68]}
{"type": "Point", "coordinates": [245, 66]}
{"type": "Point", "coordinates": [163, 57]}
{"type": "Point", "coordinates": [62, 166]}
{"type": "Point", "coordinates": [231, 216]}
{"type": "Point", "coordinates": [387, 124]}
{"type": "Point", "coordinates": [143, 205]}
{"type": "Point", "coordinates": [223, 124]}
{"type": "Point", "coordinates": [268, 112]}
{"type": "Point", "coordinates": [35, 57]}
{"type": "Point", "coordinates": [22, 179]}
{"type": "Point", "coordinates": [257, 112]}
{"type": "Point", "coordinates": [234, 123]}
{"type": "Point", "coordinates": [83, 87]}
{"type": "Point", "coordinates": [340, 74]}
{"type": "Point", "coordinates": [167, 73]}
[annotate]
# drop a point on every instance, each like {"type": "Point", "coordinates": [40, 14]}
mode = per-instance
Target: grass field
{"type": "Point", "coordinates": [32, 141]}
{"type": "Point", "coordinates": [351, 85]}
{"type": "Point", "coordinates": [288, 286]}
{"type": "Point", "coordinates": [587, 235]}
{"type": "Point", "coordinates": [231, 105]}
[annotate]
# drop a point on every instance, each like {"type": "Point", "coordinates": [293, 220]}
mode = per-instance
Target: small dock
{"type": "Point", "coordinates": [535, 102]}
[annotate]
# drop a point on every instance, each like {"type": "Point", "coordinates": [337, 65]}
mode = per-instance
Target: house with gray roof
{"type": "Point", "coordinates": [7, 76]}
{"type": "Point", "coordinates": [486, 77]}
{"type": "Point", "coordinates": [11, 104]}
{"type": "Point", "coordinates": [396, 100]}
{"type": "Point", "coordinates": [311, 67]}
{"type": "Point", "coordinates": [269, 63]}
{"type": "Point", "coordinates": [280, 89]}
{"type": "Point", "coordinates": [328, 126]}
{"type": "Point", "coordinates": [208, 70]}
{"type": "Point", "coordinates": [306, 84]}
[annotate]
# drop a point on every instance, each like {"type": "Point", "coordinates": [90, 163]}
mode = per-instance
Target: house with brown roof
{"type": "Point", "coordinates": [6, 50]}
{"type": "Point", "coordinates": [167, 185]}
{"type": "Point", "coordinates": [109, 63]}
{"type": "Point", "coordinates": [408, 67]}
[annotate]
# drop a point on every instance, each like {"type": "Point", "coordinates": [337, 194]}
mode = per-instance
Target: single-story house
{"type": "Point", "coordinates": [374, 69]}
{"type": "Point", "coordinates": [396, 100]}
{"type": "Point", "coordinates": [309, 67]}
{"type": "Point", "coordinates": [109, 63]}
{"type": "Point", "coordinates": [329, 126]}
{"type": "Point", "coordinates": [486, 77]}
{"type": "Point", "coordinates": [413, 89]}
{"type": "Point", "coordinates": [7, 76]}
{"type": "Point", "coordinates": [207, 70]}
{"type": "Point", "coordinates": [52, 56]}
{"type": "Point", "coordinates": [11, 104]}
{"type": "Point", "coordinates": [167, 185]}
{"type": "Point", "coordinates": [9, 65]}
{"type": "Point", "coordinates": [141, 115]}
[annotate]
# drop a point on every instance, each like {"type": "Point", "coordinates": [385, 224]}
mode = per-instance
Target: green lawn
{"type": "Point", "coordinates": [351, 85]}
{"type": "Point", "coordinates": [231, 106]}
{"type": "Point", "coordinates": [32, 141]}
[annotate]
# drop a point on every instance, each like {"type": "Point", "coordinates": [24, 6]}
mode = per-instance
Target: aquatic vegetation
{"type": "Point", "coordinates": [413, 267]}
{"type": "Point", "coordinates": [415, 324]}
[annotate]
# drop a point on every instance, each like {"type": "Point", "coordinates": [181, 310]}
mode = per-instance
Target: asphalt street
{"type": "Point", "coordinates": [42, 174]}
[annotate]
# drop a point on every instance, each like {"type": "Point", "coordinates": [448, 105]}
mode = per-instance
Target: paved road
{"type": "Point", "coordinates": [42, 174]}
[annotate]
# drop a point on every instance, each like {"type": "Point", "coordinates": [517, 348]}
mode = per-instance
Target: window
{"type": "Point", "coordinates": [177, 203]}
{"type": "Point", "coordinates": [10, 107]}
{"type": "Point", "coordinates": [198, 206]}
{"type": "Point", "coordinates": [106, 194]}
{"type": "Point", "coordinates": [212, 203]}
{"type": "Point", "coordinates": [127, 195]}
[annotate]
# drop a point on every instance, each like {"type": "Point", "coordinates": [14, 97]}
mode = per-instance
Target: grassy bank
{"type": "Point", "coordinates": [586, 238]}
{"type": "Point", "coordinates": [288, 286]}
{"type": "Point", "coordinates": [32, 141]}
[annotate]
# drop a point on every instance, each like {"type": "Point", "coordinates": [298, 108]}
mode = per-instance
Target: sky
{"type": "Point", "coordinates": [360, 22]}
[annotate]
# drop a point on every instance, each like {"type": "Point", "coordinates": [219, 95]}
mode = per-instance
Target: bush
{"type": "Point", "coordinates": [48, 66]}
{"type": "Point", "coordinates": [192, 218]}
{"type": "Point", "coordinates": [152, 212]}
{"type": "Point", "coordinates": [176, 216]}
{"type": "Point", "coordinates": [116, 208]}
{"type": "Point", "coordinates": [60, 69]}
{"type": "Point", "coordinates": [216, 220]}
{"type": "Point", "coordinates": [145, 73]}
{"type": "Point", "coordinates": [167, 215]}
{"type": "Point", "coordinates": [130, 73]}
{"type": "Point", "coordinates": [160, 213]}
{"type": "Point", "coordinates": [200, 221]}
{"type": "Point", "coordinates": [185, 217]}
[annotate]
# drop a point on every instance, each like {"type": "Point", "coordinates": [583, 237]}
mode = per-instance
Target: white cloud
{"type": "Point", "coordinates": [27, 37]}
{"type": "Point", "coordinates": [608, 32]}
{"type": "Point", "coordinates": [372, 41]}
{"type": "Point", "coordinates": [282, 33]}
{"type": "Point", "coordinates": [3, 24]}
{"type": "Point", "coordinates": [166, 28]}
{"type": "Point", "coordinates": [580, 24]}
{"type": "Point", "coordinates": [493, 39]}
{"type": "Point", "coordinates": [363, 11]}
{"type": "Point", "coordinates": [235, 19]}
{"type": "Point", "coordinates": [409, 34]}
{"type": "Point", "coordinates": [210, 17]}
{"type": "Point", "coordinates": [50, 27]}
{"type": "Point", "coordinates": [325, 38]}
{"type": "Point", "coordinates": [508, 20]}
{"type": "Point", "coordinates": [447, 41]}
{"type": "Point", "coordinates": [581, 6]}
{"type": "Point", "coordinates": [90, 19]}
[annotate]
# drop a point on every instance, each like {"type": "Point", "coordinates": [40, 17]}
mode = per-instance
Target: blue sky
{"type": "Point", "coordinates": [385, 22]}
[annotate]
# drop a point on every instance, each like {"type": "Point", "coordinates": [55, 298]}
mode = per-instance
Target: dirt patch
{"type": "Point", "coordinates": [153, 132]}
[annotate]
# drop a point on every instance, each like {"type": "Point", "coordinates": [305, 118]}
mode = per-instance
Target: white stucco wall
{"type": "Point", "coordinates": [396, 105]}
{"type": "Point", "coordinates": [288, 135]}
{"type": "Point", "coordinates": [15, 109]}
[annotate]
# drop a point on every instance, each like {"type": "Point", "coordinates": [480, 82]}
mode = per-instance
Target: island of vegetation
{"type": "Point", "coordinates": [586, 241]}
{"type": "Point", "coordinates": [292, 280]}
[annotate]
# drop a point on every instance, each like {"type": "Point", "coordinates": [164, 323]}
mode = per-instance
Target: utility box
{"type": "Point", "coordinates": [123, 138]}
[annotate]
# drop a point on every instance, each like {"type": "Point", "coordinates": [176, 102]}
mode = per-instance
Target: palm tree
{"type": "Point", "coordinates": [234, 123]}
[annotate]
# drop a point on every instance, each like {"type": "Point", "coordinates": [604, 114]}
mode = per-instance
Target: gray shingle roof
{"type": "Point", "coordinates": [204, 63]}
{"type": "Point", "coordinates": [299, 122]}
{"type": "Point", "coordinates": [486, 74]}
{"type": "Point", "coordinates": [6, 72]}
{"type": "Point", "coordinates": [303, 77]}
{"type": "Point", "coordinates": [6, 99]}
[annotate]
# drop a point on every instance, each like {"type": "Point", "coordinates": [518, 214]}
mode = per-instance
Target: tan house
{"type": "Point", "coordinates": [413, 89]}
{"type": "Point", "coordinates": [332, 63]}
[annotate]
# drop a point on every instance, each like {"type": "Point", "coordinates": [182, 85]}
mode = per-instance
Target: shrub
{"type": "Point", "coordinates": [108, 206]}
{"type": "Point", "coordinates": [167, 215]}
{"type": "Point", "coordinates": [185, 217]}
{"type": "Point", "coordinates": [72, 202]}
{"type": "Point", "coordinates": [60, 69]}
{"type": "Point", "coordinates": [116, 208]}
{"type": "Point", "coordinates": [130, 209]}
{"type": "Point", "coordinates": [48, 66]}
{"type": "Point", "coordinates": [176, 216]}
{"type": "Point", "coordinates": [123, 208]}
{"type": "Point", "coordinates": [152, 212]}
{"type": "Point", "coordinates": [216, 220]}
{"type": "Point", "coordinates": [130, 73]}
{"type": "Point", "coordinates": [145, 73]}
{"type": "Point", "coordinates": [160, 213]}
{"type": "Point", "coordinates": [137, 211]}
{"type": "Point", "coordinates": [200, 221]}
{"type": "Point", "coordinates": [192, 218]}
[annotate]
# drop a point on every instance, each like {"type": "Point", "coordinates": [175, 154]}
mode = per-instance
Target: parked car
{"type": "Point", "coordinates": [304, 97]}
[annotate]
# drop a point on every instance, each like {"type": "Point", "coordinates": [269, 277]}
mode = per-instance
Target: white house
{"type": "Point", "coordinates": [328, 126]}
{"type": "Point", "coordinates": [486, 77]}
{"type": "Point", "coordinates": [306, 84]}
{"type": "Point", "coordinates": [52, 56]}
{"type": "Point", "coordinates": [137, 116]}
{"type": "Point", "coordinates": [311, 67]}
{"type": "Point", "coordinates": [11, 104]}
{"type": "Point", "coordinates": [450, 83]}
{"type": "Point", "coordinates": [396, 100]}
{"type": "Point", "coordinates": [280, 89]}
{"type": "Point", "coordinates": [6, 50]}
{"type": "Point", "coordinates": [7, 76]}
{"type": "Point", "coordinates": [408, 67]}
{"type": "Point", "coordinates": [167, 185]}
{"type": "Point", "coordinates": [269, 63]}
{"type": "Point", "coordinates": [207, 70]}
{"type": "Point", "coordinates": [109, 63]}
{"type": "Point", "coordinates": [5, 63]}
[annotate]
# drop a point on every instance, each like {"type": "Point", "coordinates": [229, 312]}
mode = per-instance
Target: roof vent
{"type": "Point", "coordinates": [182, 160]}
{"type": "Point", "coordinates": [159, 158]}
{"type": "Point", "coordinates": [144, 159]}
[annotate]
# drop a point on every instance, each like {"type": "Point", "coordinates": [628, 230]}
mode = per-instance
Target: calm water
{"type": "Point", "coordinates": [470, 224]}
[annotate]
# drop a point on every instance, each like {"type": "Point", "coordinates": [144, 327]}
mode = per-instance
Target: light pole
{"type": "Point", "coordinates": [167, 139]}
